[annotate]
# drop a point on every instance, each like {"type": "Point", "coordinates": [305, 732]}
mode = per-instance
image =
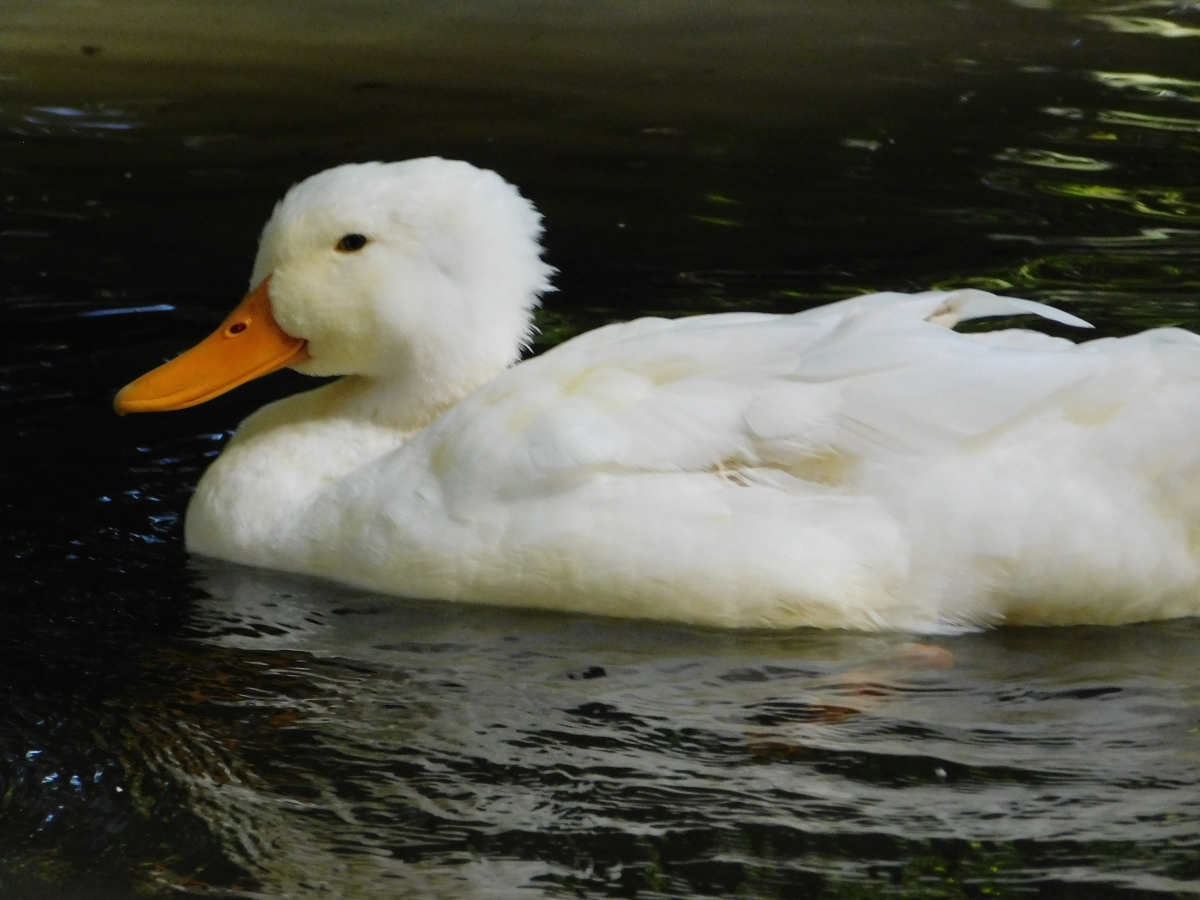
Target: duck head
{"type": "Point", "coordinates": [423, 272]}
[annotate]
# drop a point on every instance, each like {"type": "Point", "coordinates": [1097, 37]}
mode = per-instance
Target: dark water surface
{"type": "Point", "coordinates": [172, 726]}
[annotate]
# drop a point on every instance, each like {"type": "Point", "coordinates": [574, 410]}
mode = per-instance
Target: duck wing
{"type": "Point", "coordinates": [866, 378]}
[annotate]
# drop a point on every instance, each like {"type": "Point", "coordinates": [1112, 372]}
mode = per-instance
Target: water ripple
{"type": "Point", "coordinates": [448, 739]}
{"type": "Point", "coordinates": [1155, 87]}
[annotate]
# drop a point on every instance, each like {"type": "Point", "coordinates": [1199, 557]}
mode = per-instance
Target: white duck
{"type": "Point", "coordinates": [860, 465]}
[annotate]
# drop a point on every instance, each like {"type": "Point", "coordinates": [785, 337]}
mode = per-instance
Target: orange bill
{"type": "Point", "coordinates": [248, 344]}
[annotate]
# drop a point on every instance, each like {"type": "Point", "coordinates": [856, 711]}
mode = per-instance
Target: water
{"type": "Point", "coordinates": [178, 726]}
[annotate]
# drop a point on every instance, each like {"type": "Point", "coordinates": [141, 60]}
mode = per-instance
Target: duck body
{"type": "Point", "coordinates": [858, 465]}
{"type": "Point", "coordinates": [855, 467]}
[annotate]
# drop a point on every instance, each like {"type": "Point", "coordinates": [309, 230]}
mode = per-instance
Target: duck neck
{"type": "Point", "coordinates": [394, 402]}
{"type": "Point", "coordinates": [433, 376]}
{"type": "Point", "coordinates": [401, 401]}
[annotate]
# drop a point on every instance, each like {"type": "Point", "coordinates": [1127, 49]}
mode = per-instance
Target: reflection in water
{"type": "Point", "coordinates": [1154, 86]}
{"type": "Point", "coordinates": [65, 121]}
{"type": "Point", "coordinates": [461, 751]}
{"type": "Point", "coordinates": [261, 735]}
{"type": "Point", "coordinates": [1157, 202]}
{"type": "Point", "coordinates": [1051, 159]}
{"type": "Point", "coordinates": [1146, 120]}
{"type": "Point", "coordinates": [1147, 25]}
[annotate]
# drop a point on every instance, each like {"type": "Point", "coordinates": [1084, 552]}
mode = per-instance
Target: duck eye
{"type": "Point", "coordinates": [351, 243]}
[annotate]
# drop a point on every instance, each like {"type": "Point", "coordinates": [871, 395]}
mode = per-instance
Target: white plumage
{"type": "Point", "coordinates": [860, 465]}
